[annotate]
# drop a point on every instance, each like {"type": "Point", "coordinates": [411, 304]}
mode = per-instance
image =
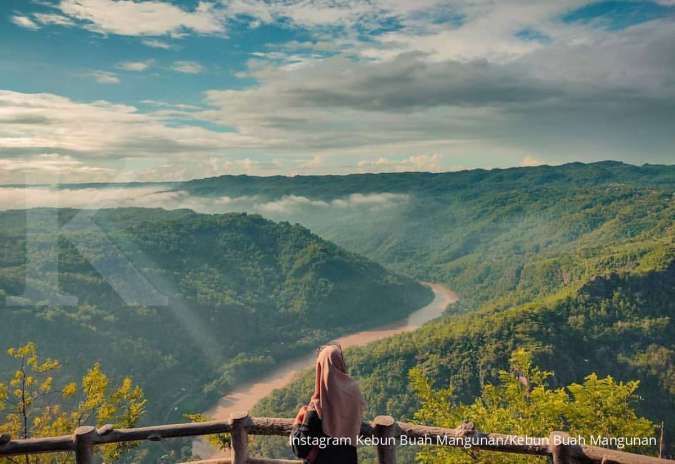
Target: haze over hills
{"type": "Point", "coordinates": [189, 304]}
{"type": "Point", "coordinates": [196, 195]}
{"type": "Point", "coordinates": [477, 231]}
{"type": "Point", "coordinates": [574, 262]}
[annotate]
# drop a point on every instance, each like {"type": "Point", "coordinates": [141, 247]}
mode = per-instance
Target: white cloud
{"type": "Point", "coordinates": [135, 66]}
{"type": "Point", "coordinates": [350, 14]}
{"type": "Point", "coordinates": [371, 200]}
{"type": "Point", "coordinates": [31, 197]}
{"type": "Point", "coordinates": [187, 67]}
{"type": "Point", "coordinates": [452, 79]}
{"type": "Point", "coordinates": [488, 32]}
{"type": "Point", "coordinates": [154, 43]}
{"type": "Point", "coordinates": [308, 13]}
{"type": "Point", "coordinates": [51, 123]}
{"type": "Point", "coordinates": [198, 165]}
{"type": "Point", "coordinates": [25, 22]}
{"type": "Point", "coordinates": [496, 102]}
{"type": "Point", "coordinates": [286, 207]}
{"type": "Point", "coordinates": [336, 103]}
{"type": "Point", "coordinates": [54, 19]}
{"type": "Point", "coordinates": [429, 163]}
{"type": "Point", "coordinates": [295, 203]}
{"type": "Point", "coordinates": [50, 168]}
{"type": "Point", "coordinates": [143, 18]}
{"type": "Point", "coordinates": [531, 161]}
{"type": "Point", "coordinates": [105, 77]}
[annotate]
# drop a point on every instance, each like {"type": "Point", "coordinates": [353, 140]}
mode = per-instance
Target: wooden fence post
{"type": "Point", "coordinates": [662, 441]}
{"type": "Point", "coordinates": [240, 437]}
{"type": "Point", "coordinates": [84, 448]}
{"type": "Point", "coordinates": [562, 451]}
{"type": "Point", "coordinates": [385, 432]}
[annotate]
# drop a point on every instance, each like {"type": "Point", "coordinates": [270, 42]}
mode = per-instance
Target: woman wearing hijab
{"type": "Point", "coordinates": [335, 410]}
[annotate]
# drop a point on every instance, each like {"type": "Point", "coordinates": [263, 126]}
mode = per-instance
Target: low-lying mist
{"type": "Point", "coordinates": [318, 214]}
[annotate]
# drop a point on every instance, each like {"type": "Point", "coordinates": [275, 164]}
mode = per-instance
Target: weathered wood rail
{"type": "Point", "coordinates": [381, 432]}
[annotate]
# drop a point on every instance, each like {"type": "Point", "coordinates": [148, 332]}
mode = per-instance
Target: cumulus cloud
{"type": "Point", "coordinates": [482, 30]}
{"type": "Point", "coordinates": [53, 18]}
{"type": "Point", "coordinates": [42, 122]}
{"type": "Point", "coordinates": [428, 163]}
{"type": "Point", "coordinates": [531, 161]}
{"type": "Point", "coordinates": [187, 67]}
{"type": "Point", "coordinates": [407, 83]}
{"type": "Point", "coordinates": [563, 99]}
{"type": "Point", "coordinates": [105, 77]}
{"type": "Point", "coordinates": [311, 13]}
{"type": "Point", "coordinates": [135, 66]}
{"type": "Point", "coordinates": [458, 80]}
{"type": "Point", "coordinates": [132, 18]}
{"type": "Point", "coordinates": [50, 168]}
{"type": "Point", "coordinates": [25, 22]}
{"type": "Point", "coordinates": [195, 165]}
{"type": "Point", "coordinates": [154, 43]}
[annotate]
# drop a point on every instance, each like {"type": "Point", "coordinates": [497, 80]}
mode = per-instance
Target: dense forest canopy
{"type": "Point", "coordinates": [479, 231]}
{"type": "Point", "coordinates": [582, 276]}
{"type": "Point", "coordinates": [188, 304]}
{"type": "Point", "coordinates": [521, 402]}
{"type": "Point", "coordinates": [574, 263]}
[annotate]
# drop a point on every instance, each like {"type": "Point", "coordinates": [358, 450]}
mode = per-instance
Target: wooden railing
{"type": "Point", "coordinates": [384, 432]}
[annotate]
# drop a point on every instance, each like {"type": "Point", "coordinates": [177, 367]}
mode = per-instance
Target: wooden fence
{"type": "Point", "coordinates": [384, 431]}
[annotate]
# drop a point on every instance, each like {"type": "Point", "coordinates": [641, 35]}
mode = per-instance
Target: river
{"type": "Point", "coordinates": [245, 396]}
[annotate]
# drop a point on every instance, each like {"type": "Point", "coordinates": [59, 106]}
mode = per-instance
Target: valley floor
{"type": "Point", "coordinates": [244, 397]}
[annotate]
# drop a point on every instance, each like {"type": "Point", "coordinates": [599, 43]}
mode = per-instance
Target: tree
{"type": "Point", "coordinates": [521, 403]}
{"type": "Point", "coordinates": [31, 405]}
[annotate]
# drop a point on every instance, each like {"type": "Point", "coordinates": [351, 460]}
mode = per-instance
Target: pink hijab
{"type": "Point", "coordinates": [337, 398]}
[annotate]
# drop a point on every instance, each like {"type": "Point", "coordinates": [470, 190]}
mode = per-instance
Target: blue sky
{"type": "Point", "coordinates": [106, 90]}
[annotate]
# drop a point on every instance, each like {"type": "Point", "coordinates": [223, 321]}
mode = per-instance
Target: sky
{"type": "Point", "coordinates": [135, 90]}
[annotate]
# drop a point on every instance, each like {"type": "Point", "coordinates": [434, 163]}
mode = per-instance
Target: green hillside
{"type": "Point", "coordinates": [583, 275]}
{"type": "Point", "coordinates": [619, 324]}
{"type": "Point", "coordinates": [241, 294]}
{"type": "Point", "coordinates": [478, 231]}
{"type": "Point", "coordinates": [573, 262]}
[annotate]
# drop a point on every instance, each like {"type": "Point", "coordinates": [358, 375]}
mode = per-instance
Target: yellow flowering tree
{"type": "Point", "coordinates": [522, 403]}
{"type": "Point", "coordinates": [33, 405]}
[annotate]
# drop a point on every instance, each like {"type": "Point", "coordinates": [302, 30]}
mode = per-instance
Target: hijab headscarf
{"type": "Point", "coordinates": [337, 398]}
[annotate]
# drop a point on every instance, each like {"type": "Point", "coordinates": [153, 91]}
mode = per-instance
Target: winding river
{"type": "Point", "coordinates": [245, 396]}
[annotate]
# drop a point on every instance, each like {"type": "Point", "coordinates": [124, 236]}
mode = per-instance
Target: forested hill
{"type": "Point", "coordinates": [187, 303]}
{"type": "Point", "coordinates": [481, 232]}
{"type": "Point", "coordinates": [617, 323]}
{"type": "Point", "coordinates": [328, 187]}
{"type": "Point", "coordinates": [581, 273]}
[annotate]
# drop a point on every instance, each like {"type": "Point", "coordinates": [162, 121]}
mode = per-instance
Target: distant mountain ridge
{"type": "Point", "coordinates": [327, 184]}
{"type": "Point", "coordinates": [333, 186]}
{"type": "Point", "coordinates": [475, 230]}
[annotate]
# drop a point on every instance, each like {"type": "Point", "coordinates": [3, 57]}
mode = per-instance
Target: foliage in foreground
{"type": "Point", "coordinates": [33, 404]}
{"type": "Point", "coordinates": [523, 403]}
